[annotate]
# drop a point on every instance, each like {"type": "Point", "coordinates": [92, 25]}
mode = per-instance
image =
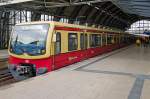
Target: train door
{"type": "Point", "coordinates": [83, 44]}
{"type": "Point", "coordinates": [58, 44]}
{"type": "Point", "coordinates": [57, 50]}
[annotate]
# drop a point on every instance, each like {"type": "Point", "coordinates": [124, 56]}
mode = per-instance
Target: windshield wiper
{"type": "Point", "coordinates": [16, 40]}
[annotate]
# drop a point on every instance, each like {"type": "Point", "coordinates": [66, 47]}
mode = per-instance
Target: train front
{"type": "Point", "coordinates": [28, 50]}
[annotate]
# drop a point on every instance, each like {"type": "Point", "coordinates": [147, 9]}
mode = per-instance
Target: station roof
{"type": "Point", "coordinates": [112, 13]}
{"type": "Point", "coordinates": [138, 7]}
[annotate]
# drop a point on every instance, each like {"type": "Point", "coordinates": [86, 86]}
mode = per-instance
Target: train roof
{"type": "Point", "coordinates": [73, 25]}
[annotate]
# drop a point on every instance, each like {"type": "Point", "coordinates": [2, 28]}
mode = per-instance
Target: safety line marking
{"type": "Point", "coordinates": [136, 90]}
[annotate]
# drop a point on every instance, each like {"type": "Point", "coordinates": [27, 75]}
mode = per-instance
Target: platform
{"type": "Point", "coordinates": [3, 54]}
{"type": "Point", "coordinates": [121, 74]}
{"type": "Point", "coordinates": [3, 59]}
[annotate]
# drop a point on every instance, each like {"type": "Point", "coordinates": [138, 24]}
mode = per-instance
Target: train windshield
{"type": "Point", "coordinates": [29, 39]}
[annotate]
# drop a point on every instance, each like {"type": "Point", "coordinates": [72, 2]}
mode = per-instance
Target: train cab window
{"type": "Point", "coordinates": [82, 41]}
{"type": "Point", "coordinates": [58, 43]}
{"type": "Point", "coordinates": [72, 41]}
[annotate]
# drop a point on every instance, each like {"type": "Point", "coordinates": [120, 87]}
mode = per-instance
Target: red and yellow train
{"type": "Point", "coordinates": [39, 47]}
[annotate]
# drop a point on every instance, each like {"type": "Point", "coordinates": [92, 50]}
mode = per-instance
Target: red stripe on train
{"type": "Point", "coordinates": [80, 30]}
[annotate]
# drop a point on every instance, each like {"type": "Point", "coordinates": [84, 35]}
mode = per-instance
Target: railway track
{"type": "Point", "coordinates": [6, 77]}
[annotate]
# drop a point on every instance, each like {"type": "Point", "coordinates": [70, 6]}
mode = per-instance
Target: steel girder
{"type": "Point", "coordinates": [58, 13]}
{"type": "Point", "coordinates": [102, 21]}
{"type": "Point", "coordinates": [113, 11]}
{"type": "Point", "coordinates": [78, 8]}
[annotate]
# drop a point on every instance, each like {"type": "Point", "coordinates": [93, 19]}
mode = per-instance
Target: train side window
{"type": "Point", "coordinates": [120, 38]}
{"type": "Point", "coordinates": [86, 41]}
{"type": "Point", "coordinates": [92, 41]}
{"type": "Point", "coordinates": [82, 41]}
{"type": "Point", "coordinates": [72, 41]}
{"type": "Point", "coordinates": [58, 43]}
{"type": "Point", "coordinates": [99, 40]}
{"type": "Point", "coordinates": [104, 39]}
{"type": "Point", "coordinates": [109, 39]}
{"type": "Point", "coordinates": [95, 40]}
{"type": "Point", "coordinates": [116, 39]}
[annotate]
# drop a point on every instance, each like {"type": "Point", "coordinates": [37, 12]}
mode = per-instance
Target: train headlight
{"type": "Point", "coordinates": [43, 51]}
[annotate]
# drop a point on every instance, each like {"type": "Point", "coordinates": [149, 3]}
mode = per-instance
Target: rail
{"type": "Point", "coordinates": [6, 77]}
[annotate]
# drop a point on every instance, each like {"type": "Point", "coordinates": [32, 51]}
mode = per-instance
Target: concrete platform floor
{"type": "Point", "coordinates": [121, 74]}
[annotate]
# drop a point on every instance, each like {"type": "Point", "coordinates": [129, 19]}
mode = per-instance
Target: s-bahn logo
{"type": "Point", "coordinates": [72, 58]}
